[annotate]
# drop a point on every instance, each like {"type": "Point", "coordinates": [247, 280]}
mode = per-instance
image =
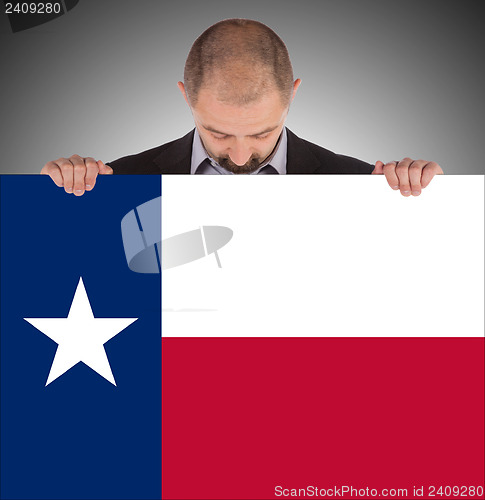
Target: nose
{"type": "Point", "coordinates": [240, 153]}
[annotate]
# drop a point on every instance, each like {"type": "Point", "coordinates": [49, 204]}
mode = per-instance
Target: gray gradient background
{"type": "Point", "coordinates": [380, 79]}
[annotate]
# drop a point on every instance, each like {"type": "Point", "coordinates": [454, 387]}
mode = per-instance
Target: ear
{"type": "Point", "coordinates": [295, 87]}
{"type": "Point", "coordinates": [181, 87]}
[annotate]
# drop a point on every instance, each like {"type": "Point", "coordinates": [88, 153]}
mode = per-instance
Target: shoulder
{"type": "Point", "coordinates": [152, 161]}
{"type": "Point", "coordinates": [140, 163]}
{"type": "Point", "coordinates": [323, 160]}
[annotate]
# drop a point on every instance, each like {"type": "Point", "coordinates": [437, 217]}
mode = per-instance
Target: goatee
{"type": "Point", "coordinates": [249, 167]}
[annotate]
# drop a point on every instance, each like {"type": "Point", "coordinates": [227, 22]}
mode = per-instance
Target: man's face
{"type": "Point", "coordinates": [239, 138]}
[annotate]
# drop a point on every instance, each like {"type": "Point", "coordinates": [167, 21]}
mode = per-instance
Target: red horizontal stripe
{"type": "Point", "coordinates": [243, 415]}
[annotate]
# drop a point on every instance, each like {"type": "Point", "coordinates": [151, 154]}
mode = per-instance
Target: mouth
{"type": "Point", "coordinates": [250, 166]}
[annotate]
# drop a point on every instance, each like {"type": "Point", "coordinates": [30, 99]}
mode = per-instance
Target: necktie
{"type": "Point", "coordinates": [206, 167]}
{"type": "Point", "coordinates": [268, 169]}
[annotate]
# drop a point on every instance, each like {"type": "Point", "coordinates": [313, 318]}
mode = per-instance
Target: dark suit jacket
{"type": "Point", "coordinates": [303, 157]}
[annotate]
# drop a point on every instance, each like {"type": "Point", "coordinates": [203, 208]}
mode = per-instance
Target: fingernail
{"type": "Point", "coordinates": [395, 187]}
{"type": "Point", "coordinates": [88, 186]}
{"type": "Point", "coordinates": [416, 193]}
{"type": "Point", "coordinates": [406, 192]}
{"type": "Point", "coordinates": [69, 190]}
{"type": "Point", "coordinates": [79, 191]}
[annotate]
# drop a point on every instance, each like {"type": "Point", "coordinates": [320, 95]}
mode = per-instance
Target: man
{"type": "Point", "coordinates": [238, 83]}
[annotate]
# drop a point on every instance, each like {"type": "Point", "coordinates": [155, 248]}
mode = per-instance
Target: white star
{"type": "Point", "coordinates": [80, 337]}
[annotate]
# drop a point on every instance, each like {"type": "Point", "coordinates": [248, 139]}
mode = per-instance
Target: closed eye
{"type": "Point", "coordinates": [223, 137]}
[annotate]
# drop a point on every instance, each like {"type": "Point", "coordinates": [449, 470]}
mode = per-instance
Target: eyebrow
{"type": "Point", "coordinates": [265, 131]}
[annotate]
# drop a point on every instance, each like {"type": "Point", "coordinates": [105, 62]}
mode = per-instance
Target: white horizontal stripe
{"type": "Point", "coordinates": [327, 256]}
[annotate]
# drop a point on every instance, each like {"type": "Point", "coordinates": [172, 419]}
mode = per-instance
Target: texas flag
{"type": "Point", "coordinates": [316, 336]}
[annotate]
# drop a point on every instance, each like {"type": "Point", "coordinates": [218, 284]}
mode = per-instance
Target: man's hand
{"type": "Point", "coordinates": [76, 174]}
{"type": "Point", "coordinates": [407, 175]}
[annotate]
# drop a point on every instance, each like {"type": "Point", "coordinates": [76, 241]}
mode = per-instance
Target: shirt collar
{"type": "Point", "coordinates": [277, 159]}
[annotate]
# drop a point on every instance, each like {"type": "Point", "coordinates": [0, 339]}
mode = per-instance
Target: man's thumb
{"type": "Point", "coordinates": [378, 169]}
{"type": "Point", "coordinates": [104, 169]}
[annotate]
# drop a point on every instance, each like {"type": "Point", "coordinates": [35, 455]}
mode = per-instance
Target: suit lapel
{"type": "Point", "coordinates": [177, 157]}
{"type": "Point", "coordinates": [299, 158]}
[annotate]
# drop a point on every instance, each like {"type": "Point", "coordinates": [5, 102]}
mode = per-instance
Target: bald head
{"type": "Point", "coordinates": [241, 61]}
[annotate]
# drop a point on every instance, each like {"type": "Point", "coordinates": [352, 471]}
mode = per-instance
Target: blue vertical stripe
{"type": "Point", "coordinates": [80, 437]}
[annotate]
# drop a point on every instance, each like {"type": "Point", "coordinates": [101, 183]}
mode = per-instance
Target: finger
{"type": "Point", "coordinates": [415, 170]}
{"type": "Point", "coordinates": [429, 171]}
{"type": "Point", "coordinates": [378, 168]}
{"type": "Point", "coordinates": [92, 170]}
{"type": "Point", "coordinates": [79, 174]}
{"type": "Point", "coordinates": [402, 172]}
{"type": "Point", "coordinates": [389, 170]}
{"type": "Point", "coordinates": [67, 171]}
{"type": "Point", "coordinates": [52, 169]}
{"type": "Point", "coordinates": [104, 169]}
